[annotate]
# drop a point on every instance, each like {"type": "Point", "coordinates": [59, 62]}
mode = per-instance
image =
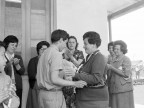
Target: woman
{"type": "Point", "coordinates": [75, 56]}
{"type": "Point", "coordinates": [3, 94]}
{"type": "Point", "coordinates": [111, 55]}
{"type": "Point", "coordinates": [95, 94]}
{"type": "Point", "coordinates": [15, 67]}
{"type": "Point", "coordinates": [7, 89]}
{"type": "Point", "coordinates": [32, 101]}
{"type": "Point", "coordinates": [121, 88]}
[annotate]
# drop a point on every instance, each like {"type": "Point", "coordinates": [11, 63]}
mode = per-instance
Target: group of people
{"type": "Point", "coordinates": [60, 76]}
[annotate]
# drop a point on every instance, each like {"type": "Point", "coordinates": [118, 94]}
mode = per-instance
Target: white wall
{"type": "Point", "coordinates": [80, 16]}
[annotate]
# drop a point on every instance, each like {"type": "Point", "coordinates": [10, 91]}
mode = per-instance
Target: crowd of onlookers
{"type": "Point", "coordinates": [61, 77]}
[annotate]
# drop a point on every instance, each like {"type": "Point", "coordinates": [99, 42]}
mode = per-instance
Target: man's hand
{"type": "Point", "coordinates": [80, 84]}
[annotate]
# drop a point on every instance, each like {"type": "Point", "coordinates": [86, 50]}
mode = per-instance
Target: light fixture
{"type": "Point", "coordinates": [17, 1]}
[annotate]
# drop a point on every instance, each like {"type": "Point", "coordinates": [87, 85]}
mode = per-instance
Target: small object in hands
{"type": "Point", "coordinates": [80, 84]}
{"type": "Point", "coordinates": [120, 68]}
{"type": "Point", "coordinates": [68, 65]}
{"type": "Point", "coordinates": [16, 61]}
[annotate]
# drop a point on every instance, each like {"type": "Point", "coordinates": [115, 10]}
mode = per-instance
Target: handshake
{"type": "Point", "coordinates": [79, 84]}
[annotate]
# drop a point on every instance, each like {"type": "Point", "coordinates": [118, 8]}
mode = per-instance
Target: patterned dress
{"type": "Point", "coordinates": [69, 91]}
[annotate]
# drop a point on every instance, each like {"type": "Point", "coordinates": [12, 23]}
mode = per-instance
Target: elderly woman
{"type": "Point", "coordinates": [32, 101]}
{"type": "Point", "coordinates": [15, 67]}
{"type": "Point", "coordinates": [121, 88]}
{"type": "Point", "coordinates": [95, 94]}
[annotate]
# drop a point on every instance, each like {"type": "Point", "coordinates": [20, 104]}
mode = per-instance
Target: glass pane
{"type": "Point", "coordinates": [13, 20]}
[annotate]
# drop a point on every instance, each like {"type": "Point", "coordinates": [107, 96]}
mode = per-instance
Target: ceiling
{"type": "Point", "coordinates": [114, 6]}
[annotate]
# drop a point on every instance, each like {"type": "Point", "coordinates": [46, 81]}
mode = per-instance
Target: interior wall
{"type": "Point", "coordinates": [80, 16]}
{"type": "Point", "coordinates": [13, 23]}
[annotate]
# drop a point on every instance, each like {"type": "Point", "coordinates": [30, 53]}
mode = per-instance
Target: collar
{"type": "Point", "coordinates": [94, 53]}
{"type": "Point", "coordinates": [97, 51]}
{"type": "Point", "coordinates": [55, 47]}
{"type": "Point", "coordinates": [119, 58]}
{"type": "Point", "coordinates": [9, 56]}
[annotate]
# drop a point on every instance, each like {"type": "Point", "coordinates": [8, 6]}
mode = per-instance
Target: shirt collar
{"type": "Point", "coordinates": [8, 56]}
{"type": "Point", "coordinates": [119, 58]}
{"type": "Point", "coordinates": [55, 47]}
{"type": "Point", "coordinates": [88, 56]}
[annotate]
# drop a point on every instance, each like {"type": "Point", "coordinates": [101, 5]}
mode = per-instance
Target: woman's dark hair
{"type": "Point", "coordinates": [123, 45]}
{"type": "Point", "coordinates": [10, 39]}
{"type": "Point", "coordinates": [58, 34]}
{"type": "Point", "coordinates": [72, 37]}
{"type": "Point", "coordinates": [2, 44]}
{"type": "Point", "coordinates": [40, 44]}
{"type": "Point", "coordinates": [110, 44]}
{"type": "Point", "coordinates": [93, 38]}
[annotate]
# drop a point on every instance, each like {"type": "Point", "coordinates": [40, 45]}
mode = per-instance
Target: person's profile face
{"type": "Point", "coordinates": [111, 50]}
{"type": "Point", "coordinates": [2, 59]}
{"type": "Point", "coordinates": [12, 47]}
{"type": "Point", "coordinates": [43, 48]}
{"type": "Point", "coordinates": [2, 51]}
{"type": "Point", "coordinates": [72, 43]}
{"type": "Point", "coordinates": [63, 44]}
{"type": "Point", "coordinates": [88, 47]}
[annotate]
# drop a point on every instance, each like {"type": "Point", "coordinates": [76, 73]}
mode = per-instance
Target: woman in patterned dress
{"type": "Point", "coordinates": [75, 56]}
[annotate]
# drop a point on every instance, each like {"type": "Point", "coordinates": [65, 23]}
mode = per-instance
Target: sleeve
{"type": "Point", "coordinates": [96, 71]}
{"type": "Point", "coordinates": [32, 68]}
{"type": "Point", "coordinates": [8, 69]}
{"type": "Point", "coordinates": [22, 69]}
{"type": "Point", "coordinates": [81, 56]}
{"type": "Point", "coordinates": [56, 62]}
{"type": "Point", "coordinates": [126, 67]}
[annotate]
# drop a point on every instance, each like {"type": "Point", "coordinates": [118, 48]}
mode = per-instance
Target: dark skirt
{"type": "Point", "coordinates": [1, 105]}
{"type": "Point", "coordinates": [69, 96]}
{"type": "Point", "coordinates": [91, 104]}
{"type": "Point", "coordinates": [122, 100]}
{"type": "Point", "coordinates": [32, 101]}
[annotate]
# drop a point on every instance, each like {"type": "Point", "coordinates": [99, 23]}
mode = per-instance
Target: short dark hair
{"type": "Point", "coordinates": [123, 45]}
{"type": "Point", "coordinates": [58, 34]}
{"type": "Point", "coordinates": [10, 39]}
{"type": "Point", "coordinates": [40, 44]}
{"type": "Point", "coordinates": [72, 37]}
{"type": "Point", "coordinates": [110, 44]}
{"type": "Point", "coordinates": [2, 44]}
{"type": "Point", "coordinates": [93, 38]}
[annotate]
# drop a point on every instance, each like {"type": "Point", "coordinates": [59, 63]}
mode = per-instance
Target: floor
{"type": "Point", "coordinates": [139, 96]}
